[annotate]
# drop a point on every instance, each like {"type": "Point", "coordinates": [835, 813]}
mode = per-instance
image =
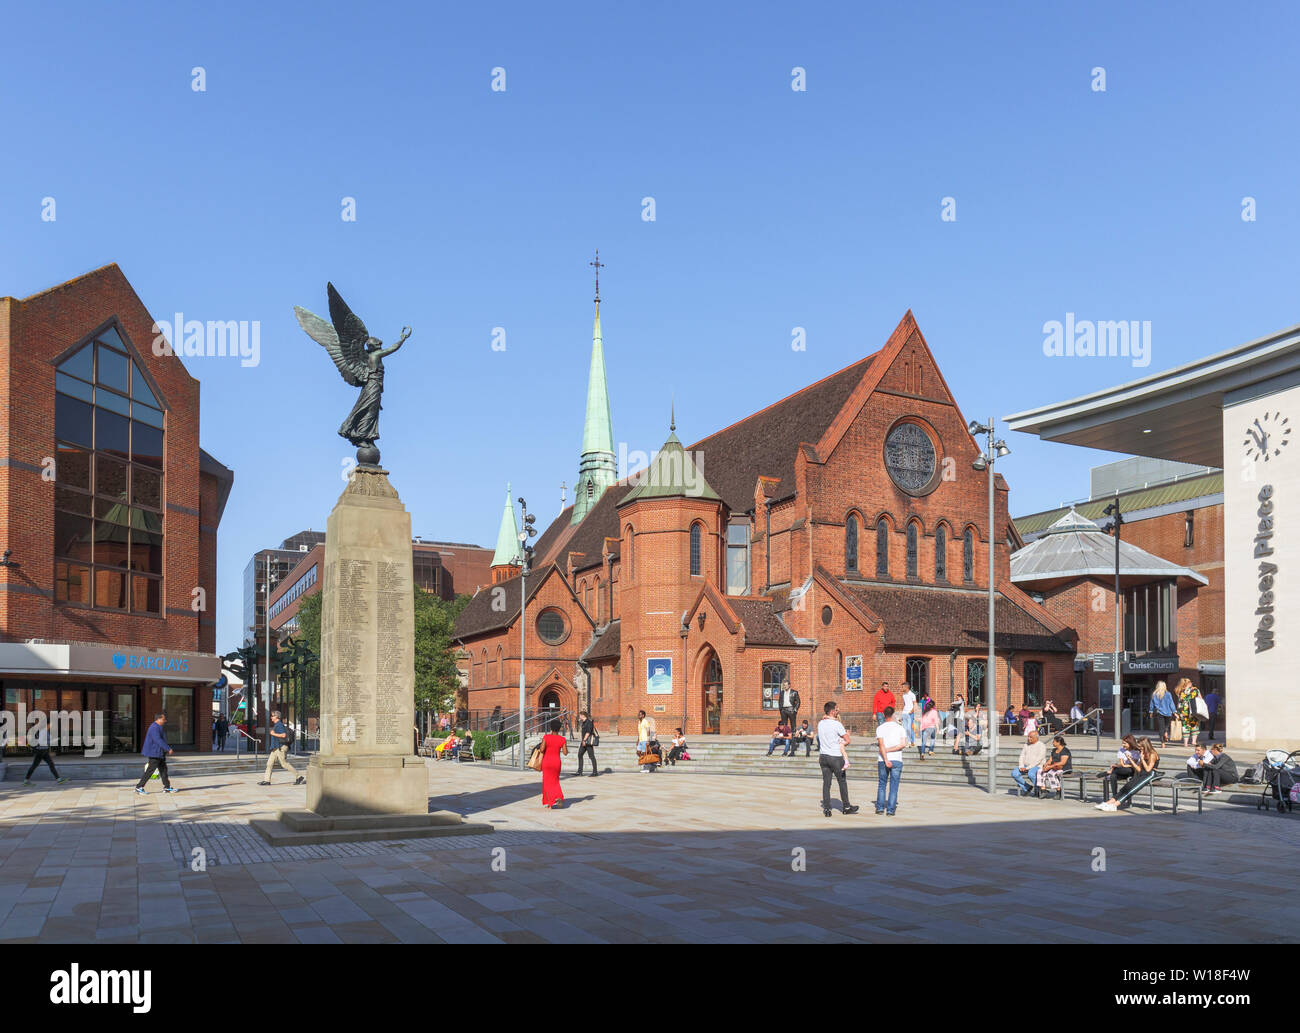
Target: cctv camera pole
{"type": "Point", "coordinates": [996, 449]}
{"type": "Point", "coordinates": [1117, 693]}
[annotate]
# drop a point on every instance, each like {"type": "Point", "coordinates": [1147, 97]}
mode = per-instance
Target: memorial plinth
{"type": "Point", "coordinates": [367, 666]}
{"type": "Point", "coordinates": [365, 784]}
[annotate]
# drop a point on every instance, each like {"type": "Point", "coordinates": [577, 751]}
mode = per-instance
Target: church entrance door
{"type": "Point", "coordinates": [713, 696]}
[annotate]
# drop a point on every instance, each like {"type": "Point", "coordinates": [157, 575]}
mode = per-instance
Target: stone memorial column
{"type": "Point", "coordinates": [367, 666]}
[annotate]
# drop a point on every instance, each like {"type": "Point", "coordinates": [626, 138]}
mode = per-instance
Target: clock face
{"type": "Point", "coordinates": [909, 458]}
{"type": "Point", "coordinates": [1266, 436]}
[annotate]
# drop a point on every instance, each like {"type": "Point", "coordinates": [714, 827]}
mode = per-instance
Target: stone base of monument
{"type": "Point", "coordinates": [342, 786]}
{"type": "Point", "coordinates": [362, 798]}
{"type": "Point", "coordinates": [304, 828]}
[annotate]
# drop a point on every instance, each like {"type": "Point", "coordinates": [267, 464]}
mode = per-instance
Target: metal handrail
{"type": "Point", "coordinates": [250, 738]}
{"type": "Point", "coordinates": [1084, 721]}
{"type": "Point", "coordinates": [536, 723]}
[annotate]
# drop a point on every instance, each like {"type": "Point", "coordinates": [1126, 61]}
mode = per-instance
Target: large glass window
{"type": "Point", "coordinates": [918, 674]}
{"type": "Point", "coordinates": [1151, 618]}
{"type": "Point", "coordinates": [776, 677]}
{"type": "Point", "coordinates": [737, 559]}
{"type": "Point", "coordinates": [551, 627]}
{"type": "Point", "coordinates": [109, 492]}
{"type": "Point", "coordinates": [851, 544]}
{"type": "Point", "coordinates": [976, 671]}
{"type": "Point", "coordinates": [178, 705]}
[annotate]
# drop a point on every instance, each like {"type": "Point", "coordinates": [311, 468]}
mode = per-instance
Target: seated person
{"type": "Point", "coordinates": [1028, 722]}
{"type": "Point", "coordinates": [1124, 766]}
{"type": "Point", "coordinates": [1218, 770]}
{"type": "Point", "coordinates": [466, 743]}
{"type": "Point", "coordinates": [1009, 718]}
{"type": "Point", "coordinates": [679, 747]}
{"type": "Point", "coordinates": [1059, 763]}
{"type": "Point", "coordinates": [1196, 763]}
{"type": "Point", "coordinates": [802, 734]}
{"type": "Point", "coordinates": [1032, 756]}
{"type": "Point", "coordinates": [781, 736]}
{"type": "Point", "coordinates": [442, 750]}
{"type": "Point", "coordinates": [1145, 769]}
{"type": "Point", "coordinates": [1050, 717]}
{"type": "Point", "coordinates": [1076, 712]}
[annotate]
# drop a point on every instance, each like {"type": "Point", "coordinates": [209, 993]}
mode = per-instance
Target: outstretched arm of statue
{"type": "Point", "coordinates": [406, 332]}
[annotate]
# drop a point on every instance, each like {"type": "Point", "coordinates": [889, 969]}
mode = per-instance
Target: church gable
{"type": "Point", "coordinates": [914, 372]}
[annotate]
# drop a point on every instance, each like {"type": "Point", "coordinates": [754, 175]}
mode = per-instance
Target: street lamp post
{"type": "Point", "coordinates": [525, 560]}
{"type": "Point", "coordinates": [1117, 685]}
{"type": "Point", "coordinates": [994, 451]}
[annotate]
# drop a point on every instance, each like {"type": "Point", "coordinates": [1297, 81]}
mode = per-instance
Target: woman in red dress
{"type": "Point", "coordinates": [554, 747]}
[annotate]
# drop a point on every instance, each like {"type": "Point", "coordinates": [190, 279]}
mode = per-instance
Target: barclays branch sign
{"type": "Point", "coordinates": [150, 662]}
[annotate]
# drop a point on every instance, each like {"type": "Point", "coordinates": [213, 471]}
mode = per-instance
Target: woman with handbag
{"type": "Point", "coordinates": [1188, 712]}
{"type": "Point", "coordinates": [554, 748]}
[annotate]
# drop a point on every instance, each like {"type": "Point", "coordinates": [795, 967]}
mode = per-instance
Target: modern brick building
{"type": "Point", "coordinates": [1171, 580]}
{"type": "Point", "coordinates": [831, 541]}
{"type": "Point", "coordinates": [108, 518]}
{"type": "Point", "coordinates": [444, 569]}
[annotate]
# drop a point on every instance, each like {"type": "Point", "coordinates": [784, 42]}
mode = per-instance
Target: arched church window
{"type": "Point", "coordinates": [851, 544]}
{"type": "Point", "coordinates": [882, 548]}
{"type": "Point", "coordinates": [911, 550]}
{"type": "Point", "coordinates": [696, 559]}
{"type": "Point", "coordinates": [968, 556]}
{"type": "Point", "coordinates": [941, 553]}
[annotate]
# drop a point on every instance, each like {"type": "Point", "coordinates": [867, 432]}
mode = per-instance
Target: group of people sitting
{"type": "Point", "coordinates": [790, 739]}
{"type": "Point", "coordinates": [451, 746]}
{"type": "Point", "coordinates": [1213, 767]}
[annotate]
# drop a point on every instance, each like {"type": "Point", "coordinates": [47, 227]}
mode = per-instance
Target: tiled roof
{"type": "Point", "coordinates": [946, 618]}
{"type": "Point", "coordinates": [762, 625]}
{"type": "Point", "coordinates": [765, 443]}
{"type": "Point", "coordinates": [1130, 502]}
{"type": "Point", "coordinates": [479, 616]}
{"type": "Point", "coordinates": [605, 646]}
{"type": "Point", "coordinates": [588, 537]}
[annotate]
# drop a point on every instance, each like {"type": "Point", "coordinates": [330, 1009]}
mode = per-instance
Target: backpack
{"type": "Point", "coordinates": [288, 736]}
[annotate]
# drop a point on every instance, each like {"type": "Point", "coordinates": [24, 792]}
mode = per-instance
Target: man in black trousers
{"type": "Point", "coordinates": [587, 742]}
{"type": "Point", "coordinates": [831, 736]}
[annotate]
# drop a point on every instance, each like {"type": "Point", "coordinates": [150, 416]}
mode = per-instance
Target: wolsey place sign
{"type": "Point", "coordinates": [1267, 570]}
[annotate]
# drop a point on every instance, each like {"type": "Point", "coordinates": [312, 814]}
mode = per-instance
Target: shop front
{"type": "Point", "coordinates": [101, 699]}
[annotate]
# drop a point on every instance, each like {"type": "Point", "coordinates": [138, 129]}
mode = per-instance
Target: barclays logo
{"type": "Point", "coordinates": [150, 663]}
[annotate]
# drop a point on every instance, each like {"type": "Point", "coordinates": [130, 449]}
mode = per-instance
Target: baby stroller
{"type": "Point", "coordinates": [1281, 771]}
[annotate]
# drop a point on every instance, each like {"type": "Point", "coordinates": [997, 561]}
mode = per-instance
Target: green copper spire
{"type": "Point", "coordinates": [598, 466]}
{"type": "Point", "coordinates": [507, 554]}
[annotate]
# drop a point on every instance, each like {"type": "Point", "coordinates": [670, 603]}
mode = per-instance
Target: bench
{"type": "Point", "coordinates": [1176, 784]}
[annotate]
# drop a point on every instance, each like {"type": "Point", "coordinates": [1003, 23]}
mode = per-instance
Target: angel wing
{"type": "Point", "coordinates": [345, 340]}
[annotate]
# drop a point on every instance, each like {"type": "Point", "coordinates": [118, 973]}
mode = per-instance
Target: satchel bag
{"type": "Point", "coordinates": [593, 740]}
{"type": "Point", "coordinates": [535, 759]}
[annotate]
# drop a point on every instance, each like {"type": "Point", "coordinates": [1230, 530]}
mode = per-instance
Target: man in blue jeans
{"type": "Point", "coordinates": [1032, 755]}
{"type": "Point", "coordinates": [890, 740]}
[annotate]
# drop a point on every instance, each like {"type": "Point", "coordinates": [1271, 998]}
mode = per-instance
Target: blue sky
{"type": "Point", "coordinates": [774, 209]}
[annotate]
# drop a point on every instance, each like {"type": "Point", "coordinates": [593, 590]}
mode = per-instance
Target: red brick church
{"type": "Point", "coordinates": [831, 541]}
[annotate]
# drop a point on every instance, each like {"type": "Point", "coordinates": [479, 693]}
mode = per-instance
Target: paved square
{"type": "Point", "coordinates": [669, 857]}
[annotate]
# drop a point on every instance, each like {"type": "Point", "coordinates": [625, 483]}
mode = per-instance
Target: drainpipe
{"type": "Point", "coordinates": [952, 663]}
{"type": "Point", "coordinates": [767, 507]}
{"type": "Point", "coordinates": [685, 630]}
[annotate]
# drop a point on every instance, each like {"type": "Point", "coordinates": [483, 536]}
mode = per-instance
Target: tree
{"type": "Point", "coordinates": [436, 676]}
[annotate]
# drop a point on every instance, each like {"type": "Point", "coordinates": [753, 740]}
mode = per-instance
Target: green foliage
{"type": "Point", "coordinates": [436, 678]}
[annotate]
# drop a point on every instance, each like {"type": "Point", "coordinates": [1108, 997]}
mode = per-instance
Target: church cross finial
{"type": "Point", "coordinates": [672, 419]}
{"type": "Point", "coordinates": [598, 265]}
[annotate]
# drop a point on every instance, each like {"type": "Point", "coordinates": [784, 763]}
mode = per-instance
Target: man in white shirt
{"type": "Point", "coordinates": [909, 715]}
{"type": "Point", "coordinates": [1032, 755]}
{"type": "Point", "coordinates": [890, 740]}
{"type": "Point", "coordinates": [832, 738]}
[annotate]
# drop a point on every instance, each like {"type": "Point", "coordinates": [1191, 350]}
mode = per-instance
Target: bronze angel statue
{"type": "Point", "coordinates": [360, 359]}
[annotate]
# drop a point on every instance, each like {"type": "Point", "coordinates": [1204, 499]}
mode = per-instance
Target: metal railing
{"type": "Point", "coordinates": [241, 735]}
{"type": "Point", "coordinates": [1089, 725]}
{"type": "Point", "coordinates": [537, 726]}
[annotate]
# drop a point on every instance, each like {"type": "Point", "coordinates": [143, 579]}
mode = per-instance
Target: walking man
{"type": "Point", "coordinates": [279, 753]}
{"type": "Point", "coordinates": [223, 730]}
{"type": "Point", "coordinates": [831, 740]}
{"type": "Point", "coordinates": [39, 741]}
{"type": "Point", "coordinates": [156, 749]}
{"type": "Point", "coordinates": [587, 744]}
{"type": "Point", "coordinates": [890, 740]}
{"type": "Point", "coordinates": [909, 716]}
